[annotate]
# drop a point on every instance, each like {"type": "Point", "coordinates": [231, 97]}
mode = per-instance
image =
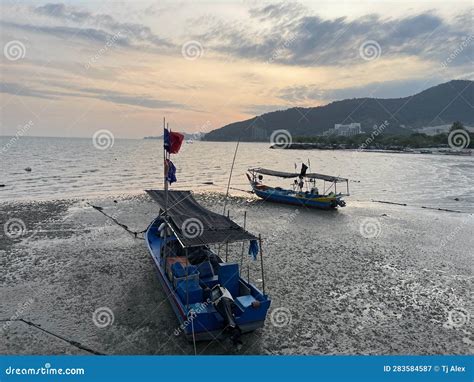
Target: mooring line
{"type": "Point", "coordinates": [233, 188]}
{"type": "Point", "coordinates": [71, 342]}
{"type": "Point", "coordinates": [134, 233]}
{"type": "Point", "coordinates": [428, 208]}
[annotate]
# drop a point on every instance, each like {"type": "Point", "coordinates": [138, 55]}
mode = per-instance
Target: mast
{"type": "Point", "coordinates": [165, 180]}
{"type": "Point", "coordinates": [165, 165]}
{"type": "Point", "coordinates": [230, 175]}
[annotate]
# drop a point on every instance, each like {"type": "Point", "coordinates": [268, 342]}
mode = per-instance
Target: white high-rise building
{"type": "Point", "coordinates": [347, 130]}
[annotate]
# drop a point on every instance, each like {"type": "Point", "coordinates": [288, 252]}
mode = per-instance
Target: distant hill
{"type": "Point", "coordinates": [438, 105]}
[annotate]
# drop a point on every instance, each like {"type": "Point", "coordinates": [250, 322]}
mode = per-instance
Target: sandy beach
{"type": "Point", "coordinates": [367, 279]}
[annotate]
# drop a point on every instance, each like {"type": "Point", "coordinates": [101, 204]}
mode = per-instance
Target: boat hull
{"type": "Point", "coordinates": [322, 202]}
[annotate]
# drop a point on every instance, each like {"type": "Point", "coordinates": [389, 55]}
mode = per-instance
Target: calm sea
{"type": "Point", "coordinates": [74, 167]}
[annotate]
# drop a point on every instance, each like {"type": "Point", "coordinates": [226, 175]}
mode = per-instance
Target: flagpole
{"type": "Point", "coordinates": [165, 126]}
{"type": "Point", "coordinates": [165, 184]}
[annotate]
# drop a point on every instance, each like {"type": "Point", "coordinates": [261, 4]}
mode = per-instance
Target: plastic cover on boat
{"type": "Point", "coordinates": [195, 225]}
{"type": "Point", "coordinates": [311, 175]}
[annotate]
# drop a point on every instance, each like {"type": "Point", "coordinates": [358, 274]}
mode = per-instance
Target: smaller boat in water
{"type": "Point", "coordinates": [303, 192]}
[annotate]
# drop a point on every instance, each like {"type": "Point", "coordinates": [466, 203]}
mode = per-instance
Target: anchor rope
{"type": "Point", "coordinates": [71, 342]}
{"type": "Point", "coordinates": [124, 226]}
{"type": "Point", "coordinates": [425, 207]}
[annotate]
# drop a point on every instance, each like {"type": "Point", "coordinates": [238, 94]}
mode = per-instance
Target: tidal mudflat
{"type": "Point", "coordinates": [367, 279]}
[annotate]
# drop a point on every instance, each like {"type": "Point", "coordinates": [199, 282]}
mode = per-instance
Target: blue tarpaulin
{"type": "Point", "coordinates": [171, 176]}
{"type": "Point", "coordinates": [253, 249]}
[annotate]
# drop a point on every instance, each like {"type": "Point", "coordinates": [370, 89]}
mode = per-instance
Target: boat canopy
{"type": "Point", "coordinates": [195, 225]}
{"type": "Point", "coordinates": [311, 175]}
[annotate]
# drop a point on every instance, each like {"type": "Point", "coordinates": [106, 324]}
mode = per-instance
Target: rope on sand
{"type": "Point", "coordinates": [71, 342]}
{"type": "Point", "coordinates": [125, 227]}
{"type": "Point", "coordinates": [428, 208]}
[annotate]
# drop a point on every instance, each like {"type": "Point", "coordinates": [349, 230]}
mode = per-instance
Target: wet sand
{"type": "Point", "coordinates": [367, 279]}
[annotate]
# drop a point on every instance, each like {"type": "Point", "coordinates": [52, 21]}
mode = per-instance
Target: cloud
{"type": "Point", "coordinates": [310, 59]}
{"type": "Point", "coordinates": [386, 89]}
{"type": "Point", "coordinates": [284, 33]}
{"type": "Point", "coordinates": [290, 35]}
{"type": "Point", "coordinates": [21, 90]}
{"type": "Point", "coordinates": [60, 11]}
{"type": "Point", "coordinates": [16, 89]}
{"type": "Point", "coordinates": [101, 94]}
{"type": "Point", "coordinates": [73, 22]}
{"type": "Point", "coordinates": [129, 99]}
{"type": "Point", "coordinates": [66, 32]}
{"type": "Point", "coordinates": [262, 109]}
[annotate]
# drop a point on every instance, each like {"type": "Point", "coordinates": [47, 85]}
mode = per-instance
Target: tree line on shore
{"type": "Point", "coordinates": [382, 140]}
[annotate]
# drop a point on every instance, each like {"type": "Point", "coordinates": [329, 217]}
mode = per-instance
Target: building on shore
{"type": "Point", "coordinates": [344, 130]}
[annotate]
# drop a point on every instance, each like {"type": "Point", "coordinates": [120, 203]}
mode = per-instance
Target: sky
{"type": "Point", "coordinates": [72, 68]}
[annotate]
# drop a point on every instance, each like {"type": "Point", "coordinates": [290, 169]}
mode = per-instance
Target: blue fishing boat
{"type": "Point", "coordinates": [304, 190]}
{"type": "Point", "coordinates": [207, 293]}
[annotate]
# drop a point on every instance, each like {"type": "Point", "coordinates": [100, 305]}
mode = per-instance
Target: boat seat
{"type": "Point", "coordinates": [229, 277]}
{"type": "Point", "coordinates": [172, 260]}
{"type": "Point", "coordinates": [178, 270]}
{"type": "Point", "coordinates": [243, 302]}
{"type": "Point", "coordinates": [201, 307]}
{"type": "Point", "coordinates": [244, 290]}
{"type": "Point", "coordinates": [190, 272]}
{"type": "Point", "coordinates": [189, 291]}
{"type": "Point", "coordinates": [210, 282]}
{"type": "Point", "coordinates": [205, 269]}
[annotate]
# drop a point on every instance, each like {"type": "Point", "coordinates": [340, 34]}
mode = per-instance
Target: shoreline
{"type": "Point", "coordinates": [425, 151]}
{"type": "Point", "coordinates": [213, 193]}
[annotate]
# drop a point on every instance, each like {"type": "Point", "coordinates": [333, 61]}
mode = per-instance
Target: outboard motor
{"type": "Point", "coordinates": [223, 302]}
